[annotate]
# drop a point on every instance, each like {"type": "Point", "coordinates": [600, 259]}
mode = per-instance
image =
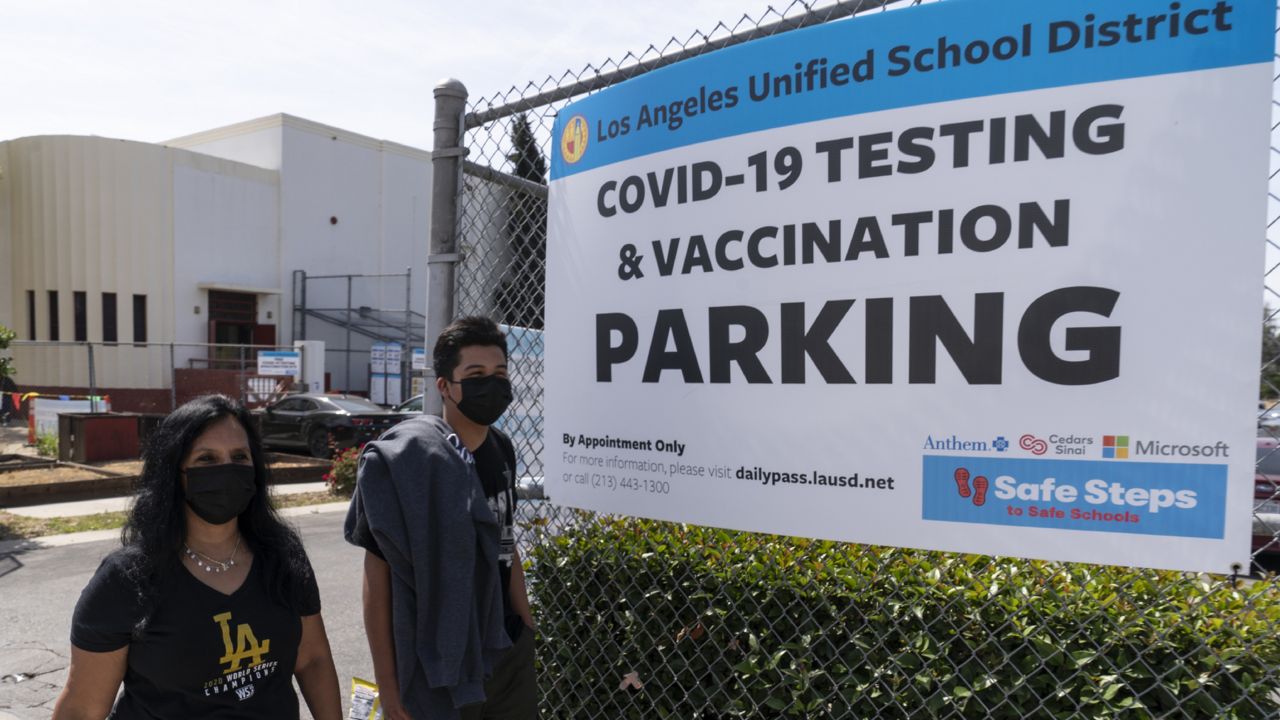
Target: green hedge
{"type": "Point", "coordinates": [720, 624]}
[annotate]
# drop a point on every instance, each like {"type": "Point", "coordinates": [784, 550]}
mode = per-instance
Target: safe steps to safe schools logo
{"type": "Point", "coordinates": [1134, 497]}
{"type": "Point", "coordinates": [573, 140]}
{"type": "Point", "coordinates": [980, 486]}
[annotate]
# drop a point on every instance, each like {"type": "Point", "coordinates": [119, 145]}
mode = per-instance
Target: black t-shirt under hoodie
{"type": "Point", "coordinates": [203, 654]}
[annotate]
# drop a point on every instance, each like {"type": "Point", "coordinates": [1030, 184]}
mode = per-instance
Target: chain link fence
{"type": "Point", "coordinates": [148, 377]}
{"type": "Point", "coordinates": [643, 619]}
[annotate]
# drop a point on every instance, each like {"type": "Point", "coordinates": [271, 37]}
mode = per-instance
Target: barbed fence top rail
{"type": "Point", "coordinates": [705, 43]}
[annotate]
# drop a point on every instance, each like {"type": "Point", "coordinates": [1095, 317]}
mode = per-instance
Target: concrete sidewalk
{"type": "Point", "coordinates": [117, 504]}
{"type": "Point", "coordinates": [13, 439]}
{"type": "Point", "coordinates": [114, 533]}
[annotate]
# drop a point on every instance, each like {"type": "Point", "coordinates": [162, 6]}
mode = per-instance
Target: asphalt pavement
{"type": "Point", "coordinates": [40, 582]}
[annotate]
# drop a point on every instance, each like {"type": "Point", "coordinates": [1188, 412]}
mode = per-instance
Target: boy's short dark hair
{"type": "Point", "coordinates": [464, 332]}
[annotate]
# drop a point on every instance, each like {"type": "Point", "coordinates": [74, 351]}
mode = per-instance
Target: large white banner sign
{"type": "Point", "coordinates": [976, 276]}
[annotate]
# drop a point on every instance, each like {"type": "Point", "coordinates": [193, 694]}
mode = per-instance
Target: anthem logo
{"type": "Point", "coordinates": [999, 444]}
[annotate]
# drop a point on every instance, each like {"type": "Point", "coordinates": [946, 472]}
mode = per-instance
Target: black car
{"type": "Point", "coordinates": [321, 423]}
{"type": "Point", "coordinates": [412, 406]}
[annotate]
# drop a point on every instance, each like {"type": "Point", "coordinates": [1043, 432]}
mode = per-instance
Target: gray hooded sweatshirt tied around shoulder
{"type": "Point", "coordinates": [419, 493]}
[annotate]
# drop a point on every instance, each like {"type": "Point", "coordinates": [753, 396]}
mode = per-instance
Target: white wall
{"type": "Point", "coordinates": [94, 215]}
{"type": "Point", "coordinates": [109, 216]}
{"type": "Point", "coordinates": [406, 223]}
{"type": "Point", "coordinates": [226, 227]}
{"type": "Point", "coordinates": [378, 191]}
{"type": "Point", "coordinates": [255, 142]}
{"type": "Point", "coordinates": [12, 307]}
{"type": "Point", "coordinates": [105, 215]}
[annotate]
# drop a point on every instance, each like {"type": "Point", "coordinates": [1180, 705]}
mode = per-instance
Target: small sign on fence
{"type": "Point", "coordinates": [384, 379]}
{"type": "Point", "coordinates": [280, 362]}
{"type": "Point", "coordinates": [982, 277]}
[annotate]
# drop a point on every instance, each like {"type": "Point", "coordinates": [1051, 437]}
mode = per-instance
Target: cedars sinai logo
{"type": "Point", "coordinates": [1033, 444]}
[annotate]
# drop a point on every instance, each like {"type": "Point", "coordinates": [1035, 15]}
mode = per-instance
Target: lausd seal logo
{"type": "Point", "coordinates": [573, 141]}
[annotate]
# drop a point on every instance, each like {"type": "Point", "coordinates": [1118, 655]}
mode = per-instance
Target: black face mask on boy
{"type": "Point", "coordinates": [484, 399]}
{"type": "Point", "coordinates": [219, 493]}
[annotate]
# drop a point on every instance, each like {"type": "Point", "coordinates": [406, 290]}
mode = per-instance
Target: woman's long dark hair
{"type": "Point", "coordinates": [157, 525]}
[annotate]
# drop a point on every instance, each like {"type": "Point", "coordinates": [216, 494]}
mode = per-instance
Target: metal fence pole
{"type": "Point", "coordinates": [301, 332]}
{"type": "Point", "coordinates": [173, 378]}
{"type": "Point", "coordinates": [241, 376]}
{"type": "Point", "coordinates": [406, 385]}
{"type": "Point", "coordinates": [93, 381]}
{"type": "Point", "coordinates": [446, 159]}
{"type": "Point", "coordinates": [347, 387]}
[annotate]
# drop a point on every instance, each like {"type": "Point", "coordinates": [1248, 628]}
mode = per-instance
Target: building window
{"type": "Point", "coordinates": [53, 315]}
{"type": "Point", "coordinates": [31, 314]}
{"type": "Point", "coordinates": [139, 319]}
{"type": "Point", "coordinates": [80, 303]}
{"type": "Point", "coordinates": [109, 318]}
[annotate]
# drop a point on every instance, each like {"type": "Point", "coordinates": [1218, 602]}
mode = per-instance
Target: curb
{"type": "Point", "coordinates": [300, 471]}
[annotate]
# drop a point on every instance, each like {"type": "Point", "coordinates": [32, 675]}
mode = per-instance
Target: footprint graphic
{"type": "Point", "coordinates": [962, 482]}
{"type": "Point", "coordinates": [980, 490]}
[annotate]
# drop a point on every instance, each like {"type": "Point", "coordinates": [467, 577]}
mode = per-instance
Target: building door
{"type": "Point", "coordinates": [264, 334]}
{"type": "Point", "coordinates": [232, 318]}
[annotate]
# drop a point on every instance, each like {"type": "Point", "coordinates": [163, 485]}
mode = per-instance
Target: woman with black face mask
{"type": "Point", "coordinates": [210, 609]}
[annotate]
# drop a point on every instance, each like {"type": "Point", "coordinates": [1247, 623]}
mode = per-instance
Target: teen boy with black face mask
{"type": "Point", "coordinates": [445, 607]}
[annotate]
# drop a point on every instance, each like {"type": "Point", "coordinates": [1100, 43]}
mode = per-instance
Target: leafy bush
{"type": "Point", "coordinates": [6, 363]}
{"type": "Point", "coordinates": [720, 624]}
{"type": "Point", "coordinates": [47, 444]}
{"type": "Point", "coordinates": [341, 477]}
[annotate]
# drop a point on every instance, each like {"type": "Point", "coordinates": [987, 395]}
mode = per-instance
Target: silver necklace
{"type": "Point", "coordinates": [208, 564]}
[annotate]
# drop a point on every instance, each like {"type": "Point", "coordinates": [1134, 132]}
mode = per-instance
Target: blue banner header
{"type": "Point", "coordinates": [933, 53]}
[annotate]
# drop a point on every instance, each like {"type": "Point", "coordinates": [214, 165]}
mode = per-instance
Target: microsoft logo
{"type": "Point", "coordinates": [1115, 446]}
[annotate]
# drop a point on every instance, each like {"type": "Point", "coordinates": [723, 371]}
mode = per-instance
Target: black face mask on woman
{"type": "Point", "coordinates": [484, 399]}
{"type": "Point", "coordinates": [219, 493]}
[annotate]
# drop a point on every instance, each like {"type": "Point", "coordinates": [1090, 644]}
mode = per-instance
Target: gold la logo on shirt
{"type": "Point", "coordinates": [247, 646]}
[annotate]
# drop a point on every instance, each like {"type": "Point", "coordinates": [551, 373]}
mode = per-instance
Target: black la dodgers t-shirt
{"type": "Point", "coordinates": [203, 654]}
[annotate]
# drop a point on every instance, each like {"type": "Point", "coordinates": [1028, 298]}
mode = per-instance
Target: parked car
{"type": "Point", "coordinates": [410, 406]}
{"type": "Point", "coordinates": [321, 424]}
{"type": "Point", "coordinates": [1266, 498]}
